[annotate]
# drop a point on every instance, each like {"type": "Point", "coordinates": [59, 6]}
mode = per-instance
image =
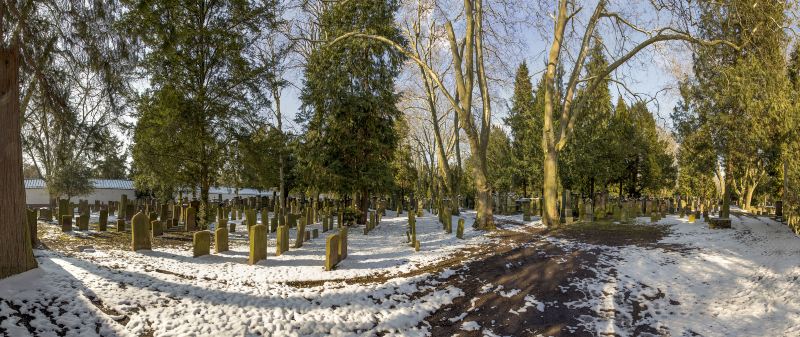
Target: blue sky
{"type": "Point", "coordinates": [644, 74]}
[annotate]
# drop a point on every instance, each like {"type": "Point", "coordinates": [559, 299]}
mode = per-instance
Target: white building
{"type": "Point", "coordinates": [106, 190]}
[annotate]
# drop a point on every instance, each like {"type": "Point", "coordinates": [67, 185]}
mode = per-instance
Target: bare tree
{"type": "Point", "coordinates": [570, 28]}
{"type": "Point", "coordinates": [467, 91]}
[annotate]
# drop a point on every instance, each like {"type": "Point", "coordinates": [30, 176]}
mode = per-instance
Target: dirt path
{"type": "Point", "coordinates": [504, 291]}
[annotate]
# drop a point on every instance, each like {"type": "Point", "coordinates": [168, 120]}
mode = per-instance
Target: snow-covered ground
{"type": "Point", "coordinates": [743, 281]}
{"type": "Point", "coordinates": [167, 292]}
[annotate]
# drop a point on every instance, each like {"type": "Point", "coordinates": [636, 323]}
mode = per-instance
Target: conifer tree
{"type": "Point", "coordinates": [349, 101]}
{"type": "Point", "coordinates": [741, 95]}
{"type": "Point", "coordinates": [203, 73]}
{"type": "Point", "coordinates": [519, 120]}
{"type": "Point", "coordinates": [587, 161]}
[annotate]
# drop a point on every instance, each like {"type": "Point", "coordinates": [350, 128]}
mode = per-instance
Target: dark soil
{"type": "Point", "coordinates": [539, 268]}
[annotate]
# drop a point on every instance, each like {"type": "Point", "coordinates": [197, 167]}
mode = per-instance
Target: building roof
{"type": "Point", "coordinates": [100, 184]}
{"type": "Point", "coordinates": [121, 184]}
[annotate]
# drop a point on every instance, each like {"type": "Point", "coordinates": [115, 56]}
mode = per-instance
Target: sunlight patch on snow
{"type": "Point", "coordinates": [736, 282]}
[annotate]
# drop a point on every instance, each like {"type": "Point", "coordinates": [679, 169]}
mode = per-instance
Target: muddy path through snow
{"type": "Point", "coordinates": [525, 288]}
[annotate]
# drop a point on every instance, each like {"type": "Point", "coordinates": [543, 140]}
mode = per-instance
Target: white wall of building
{"type": "Point", "coordinates": [39, 196]}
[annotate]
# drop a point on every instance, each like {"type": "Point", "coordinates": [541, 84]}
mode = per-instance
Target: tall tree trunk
{"type": "Point", "coordinates": [16, 252]}
{"type": "Point", "coordinates": [276, 94]}
{"type": "Point", "coordinates": [725, 211]}
{"type": "Point", "coordinates": [785, 190]}
{"type": "Point", "coordinates": [204, 217]}
{"type": "Point", "coordinates": [483, 196]}
{"type": "Point", "coordinates": [748, 197]}
{"type": "Point", "coordinates": [457, 174]}
{"type": "Point", "coordinates": [550, 187]}
{"type": "Point", "coordinates": [363, 206]}
{"type": "Point", "coordinates": [550, 174]}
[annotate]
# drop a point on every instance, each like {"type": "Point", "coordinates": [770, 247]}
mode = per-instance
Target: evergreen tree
{"type": "Point", "coordinates": [741, 95]}
{"type": "Point", "coordinates": [588, 161]}
{"type": "Point", "coordinates": [790, 162]}
{"type": "Point", "coordinates": [404, 172]}
{"type": "Point", "coordinates": [112, 163]}
{"type": "Point", "coordinates": [42, 42]}
{"type": "Point", "coordinates": [202, 71]}
{"type": "Point", "coordinates": [519, 120]}
{"type": "Point", "coordinates": [500, 158]}
{"type": "Point", "coordinates": [349, 101]}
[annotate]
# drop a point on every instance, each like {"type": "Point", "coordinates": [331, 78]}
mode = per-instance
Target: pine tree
{"type": "Point", "coordinates": [350, 101]}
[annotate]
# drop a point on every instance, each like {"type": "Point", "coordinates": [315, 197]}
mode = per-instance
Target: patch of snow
{"type": "Point", "coordinates": [167, 292]}
{"type": "Point", "coordinates": [508, 294]}
{"type": "Point", "coordinates": [530, 301]}
{"type": "Point", "coordinates": [458, 318]}
{"type": "Point", "coordinates": [729, 282]}
{"type": "Point", "coordinates": [470, 326]}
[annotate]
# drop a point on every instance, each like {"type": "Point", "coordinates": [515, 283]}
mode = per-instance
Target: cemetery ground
{"type": "Point", "coordinates": [669, 278]}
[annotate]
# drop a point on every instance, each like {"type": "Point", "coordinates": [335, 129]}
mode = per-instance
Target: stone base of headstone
{"type": "Point", "coordinates": [717, 223]}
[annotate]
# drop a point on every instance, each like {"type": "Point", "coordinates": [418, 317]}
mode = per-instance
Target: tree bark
{"type": "Point", "coordinates": [725, 211]}
{"type": "Point", "coordinates": [550, 187]}
{"type": "Point", "coordinates": [363, 206]}
{"type": "Point", "coordinates": [483, 198]}
{"type": "Point", "coordinates": [16, 252]}
{"type": "Point", "coordinates": [748, 197]}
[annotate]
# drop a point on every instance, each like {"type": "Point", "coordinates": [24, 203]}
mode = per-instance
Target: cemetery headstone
{"type": "Point", "coordinates": [140, 234]}
{"type": "Point", "coordinates": [281, 238]}
{"type": "Point", "coordinates": [191, 219]}
{"type": "Point", "coordinates": [258, 244]}
{"type": "Point", "coordinates": [102, 223]}
{"type": "Point", "coordinates": [83, 222]}
{"type": "Point", "coordinates": [342, 244]}
{"type": "Point", "coordinates": [201, 243]}
{"type": "Point", "coordinates": [300, 233]}
{"type": "Point", "coordinates": [66, 223]}
{"type": "Point", "coordinates": [33, 224]}
{"type": "Point", "coordinates": [157, 228]}
{"type": "Point", "coordinates": [331, 251]}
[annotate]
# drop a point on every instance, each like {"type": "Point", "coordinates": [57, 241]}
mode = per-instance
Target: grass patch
{"type": "Point", "coordinates": [607, 232]}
